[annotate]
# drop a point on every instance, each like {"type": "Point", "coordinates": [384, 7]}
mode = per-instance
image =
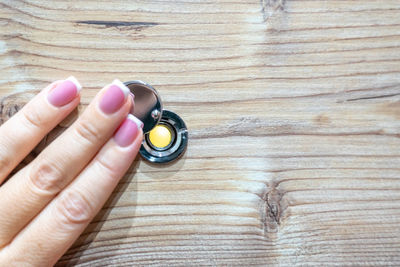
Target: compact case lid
{"type": "Point", "coordinates": [148, 105]}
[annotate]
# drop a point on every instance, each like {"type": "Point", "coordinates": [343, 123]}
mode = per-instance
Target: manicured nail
{"type": "Point", "coordinates": [128, 131]}
{"type": "Point", "coordinates": [114, 97]}
{"type": "Point", "coordinates": [65, 92]}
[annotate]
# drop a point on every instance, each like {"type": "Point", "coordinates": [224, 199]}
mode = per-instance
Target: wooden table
{"type": "Point", "coordinates": [293, 109]}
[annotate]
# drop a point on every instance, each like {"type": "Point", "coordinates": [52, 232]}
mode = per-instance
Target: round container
{"type": "Point", "coordinates": [165, 133]}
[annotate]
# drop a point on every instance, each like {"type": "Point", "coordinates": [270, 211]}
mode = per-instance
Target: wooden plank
{"type": "Point", "coordinates": [293, 109]}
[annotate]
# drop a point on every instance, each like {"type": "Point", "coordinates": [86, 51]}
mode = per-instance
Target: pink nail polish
{"type": "Point", "coordinates": [113, 99]}
{"type": "Point", "coordinates": [128, 131]}
{"type": "Point", "coordinates": [65, 92]}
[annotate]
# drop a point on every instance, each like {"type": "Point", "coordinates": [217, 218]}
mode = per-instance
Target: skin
{"type": "Point", "coordinates": [46, 205]}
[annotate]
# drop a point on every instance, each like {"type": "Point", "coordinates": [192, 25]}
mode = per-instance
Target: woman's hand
{"type": "Point", "coordinates": [46, 205]}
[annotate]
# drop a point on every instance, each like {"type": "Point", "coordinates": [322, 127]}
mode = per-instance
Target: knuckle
{"type": "Point", "coordinates": [33, 117]}
{"type": "Point", "coordinates": [105, 166]}
{"type": "Point", "coordinates": [46, 176]}
{"type": "Point", "coordinates": [5, 162]}
{"type": "Point", "coordinates": [86, 130]}
{"type": "Point", "coordinates": [74, 208]}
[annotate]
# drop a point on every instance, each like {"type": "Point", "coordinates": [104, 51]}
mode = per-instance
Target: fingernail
{"type": "Point", "coordinates": [128, 131]}
{"type": "Point", "coordinates": [113, 99]}
{"type": "Point", "coordinates": [65, 92]}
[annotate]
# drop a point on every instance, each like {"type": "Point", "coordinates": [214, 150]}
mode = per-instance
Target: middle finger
{"type": "Point", "coordinates": [29, 191]}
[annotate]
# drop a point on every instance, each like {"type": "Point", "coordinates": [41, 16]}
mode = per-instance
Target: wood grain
{"type": "Point", "coordinates": [293, 110]}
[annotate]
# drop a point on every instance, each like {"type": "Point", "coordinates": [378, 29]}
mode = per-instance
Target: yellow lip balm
{"type": "Point", "coordinates": [160, 136]}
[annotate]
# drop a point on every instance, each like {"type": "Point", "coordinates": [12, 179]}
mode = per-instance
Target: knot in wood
{"type": "Point", "coordinates": [273, 211]}
{"type": "Point", "coordinates": [270, 7]}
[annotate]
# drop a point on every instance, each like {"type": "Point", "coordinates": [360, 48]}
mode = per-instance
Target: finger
{"type": "Point", "coordinates": [29, 191]}
{"type": "Point", "coordinates": [20, 134]}
{"type": "Point", "coordinates": [54, 230]}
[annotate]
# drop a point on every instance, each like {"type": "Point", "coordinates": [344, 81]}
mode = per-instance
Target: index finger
{"type": "Point", "coordinates": [22, 132]}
